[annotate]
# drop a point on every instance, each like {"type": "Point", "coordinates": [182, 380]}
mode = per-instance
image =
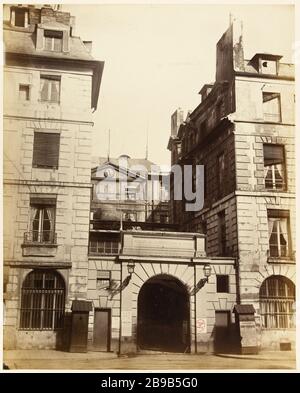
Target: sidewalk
{"type": "Point", "coordinates": [56, 360]}
{"type": "Point", "coordinates": [51, 354]}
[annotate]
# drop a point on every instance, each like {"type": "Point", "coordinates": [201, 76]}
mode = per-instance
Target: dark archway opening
{"type": "Point", "coordinates": [164, 315]}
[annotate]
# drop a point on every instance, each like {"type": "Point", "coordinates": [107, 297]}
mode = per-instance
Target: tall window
{"type": "Point", "coordinates": [278, 221]}
{"type": "Point", "coordinates": [50, 88]}
{"type": "Point", "coordinates": [53, 40]}
{"type": "Point", "coordinates": [42, 221]}
{"type": "Point", "coordinates": [45, 149]}
{"type": "Point", "coordinates": [19, 17]}
{"type": "Point", "coordinates": [42, 301]}
{"type": "Point", "coordinates": [274, 164]}
{"type": "Point", "coordinates": [277, 297]}
{"type": "Point", "coordinates": [222, 233]}
{"type": "Point", "coordinates": [271, 107]}
{"type": "Point", "coordinates": [221, 172]}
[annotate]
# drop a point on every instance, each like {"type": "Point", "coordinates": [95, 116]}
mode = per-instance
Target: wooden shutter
{"type": "Point", "coordinates": [66, 41]}
{"type": "Point", "coordinates": [44, 89]}
{"type": "Point", "coordinates": [46, 149]}
{"type": "Point", "coordinates": [50, 88]}
{"type": "Point", "coordinates": [273, 154]}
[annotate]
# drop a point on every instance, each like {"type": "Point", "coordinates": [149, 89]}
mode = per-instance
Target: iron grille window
{"type": "Point", "coordinates": [271, 107]}
{"type": "Point", "coordinates": [274, 165]}
{"type": "Point", "coordinates": [277, 297]}
{"type": "Point", "coordinates": [42, 301]}
{"type": "Point", "coordinates": [278, 221]}
{"type": "Point", "coordinates": [42, 221]}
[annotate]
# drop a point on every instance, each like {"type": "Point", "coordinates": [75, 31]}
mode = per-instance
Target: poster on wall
{"type": "Point", "coordinates": [201, 325]}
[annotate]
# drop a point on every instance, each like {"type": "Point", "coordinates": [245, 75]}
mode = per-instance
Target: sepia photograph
{"type": "Point", "coordinates": [149, 187]}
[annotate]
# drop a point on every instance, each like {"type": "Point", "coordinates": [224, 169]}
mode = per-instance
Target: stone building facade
{"type": "Point", "coordinates": [243, 134]}
{"type": "Point", "coordinates": [164, 303]}
{"type": "Point", "coordinates": [51, 86]}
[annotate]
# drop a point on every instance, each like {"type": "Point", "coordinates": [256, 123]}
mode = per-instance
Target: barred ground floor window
{"type": "Point", "coordinates": [277, 302]}
{"type": "Point", "coordinates": [42, 301]}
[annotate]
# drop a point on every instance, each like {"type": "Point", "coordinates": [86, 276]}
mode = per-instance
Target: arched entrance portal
{"type": "Point", "coordinates": [164, 315]}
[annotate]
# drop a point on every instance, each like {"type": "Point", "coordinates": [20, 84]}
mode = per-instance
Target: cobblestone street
{"type": "Point", "coordinates": [54, 360]}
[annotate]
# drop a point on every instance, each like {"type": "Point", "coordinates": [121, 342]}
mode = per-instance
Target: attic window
{"type": "Point", "coordinates": [268, 67]}
{"type": "Point", "coordinates": [19, 17]}
{"type": "Point", "coordinates": [53, 40]}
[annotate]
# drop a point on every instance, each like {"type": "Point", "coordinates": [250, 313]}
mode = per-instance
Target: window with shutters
{"type": "Point", "coordinates": [42, 221]}
{"type": "Point", "coordinates": [45, 150]}
{"type": "Point", "coordinates": [271, 107]}
{"type": "Point", "coordinates": [53, 40]}
{"type": "Point", "coordinates": [42, 301]}
{"type": "Point", "coordinates": [19, 17]}
{"type": "Point", "coordinates": [274, 166]}
{"type": "Point", "coordinates": [279, 233]}
{"type": "Point", "coordinates": [50, 88]}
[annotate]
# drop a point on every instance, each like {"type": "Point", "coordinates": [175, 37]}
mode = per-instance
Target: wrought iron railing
{"type": "Point", "coordinates": [40, 237]}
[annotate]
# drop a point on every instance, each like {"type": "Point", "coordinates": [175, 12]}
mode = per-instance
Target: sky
{"type": "Point", "coordinates": [157, 57]}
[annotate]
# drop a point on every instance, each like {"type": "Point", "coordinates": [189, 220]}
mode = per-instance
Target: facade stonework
{"type": "Point", "coordinates": [233, 145]}
{"type": "Point", "coordinates": [27, 186]}
{"type": "Point", "coordinates": [84, 271]}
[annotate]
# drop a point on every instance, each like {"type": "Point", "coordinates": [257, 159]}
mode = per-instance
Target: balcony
{"type": "Point", "coordinates": [39, 243]}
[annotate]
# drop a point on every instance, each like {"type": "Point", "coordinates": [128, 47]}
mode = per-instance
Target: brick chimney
{"type": "Point", "coordinates": [176, 120]}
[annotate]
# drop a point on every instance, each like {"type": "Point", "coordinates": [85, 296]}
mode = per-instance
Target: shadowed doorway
{"type": "Point", "coordinates": [163, 315]}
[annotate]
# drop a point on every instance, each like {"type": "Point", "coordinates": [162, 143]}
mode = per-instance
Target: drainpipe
{"type": "Point", "coordinates": [195, 309]}
{"type": "Point", "coordinates": [120, 324]}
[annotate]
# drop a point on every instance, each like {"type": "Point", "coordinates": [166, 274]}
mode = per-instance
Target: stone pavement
{"type": "Point", "coordinates": [56, 360]}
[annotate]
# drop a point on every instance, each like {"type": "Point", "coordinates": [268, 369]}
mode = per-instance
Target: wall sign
{"type": "Point", "coordinates": [201, 324]}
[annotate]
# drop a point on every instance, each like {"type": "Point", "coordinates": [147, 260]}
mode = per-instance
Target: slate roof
{"type": "Point", "coordinates": [99, 161]}
{"type": "Point", "coordinates": [244, 309]}
{"type": "Point", "coordinates": [24, 42]}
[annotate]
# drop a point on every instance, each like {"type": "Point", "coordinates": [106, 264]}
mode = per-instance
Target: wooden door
{"type": "Point", "coordinates": [102, 329]}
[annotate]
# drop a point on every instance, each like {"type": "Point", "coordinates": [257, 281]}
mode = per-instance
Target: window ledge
{"type": "Point", "coordinates": [282, 260]}
{"type": "Point", "coordinates": [57, 103]}
{"type": "Point", "coordinates": [39, 249]}
{"type": "Point", "coordinates": [276, 329]}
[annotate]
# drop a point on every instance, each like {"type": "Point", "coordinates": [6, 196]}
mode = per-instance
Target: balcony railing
{"type": "Point", "coordinates": [40, 237]}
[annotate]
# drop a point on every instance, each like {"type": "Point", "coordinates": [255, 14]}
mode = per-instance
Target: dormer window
{"type": "Point", "coordinates": [269, 67]}
{"type": "Point", "coordinates": [53, 40]}
{"type": "Point", "coordinates": [266, 63]}
{"type": "Point", "coordinates": [19, 17]}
